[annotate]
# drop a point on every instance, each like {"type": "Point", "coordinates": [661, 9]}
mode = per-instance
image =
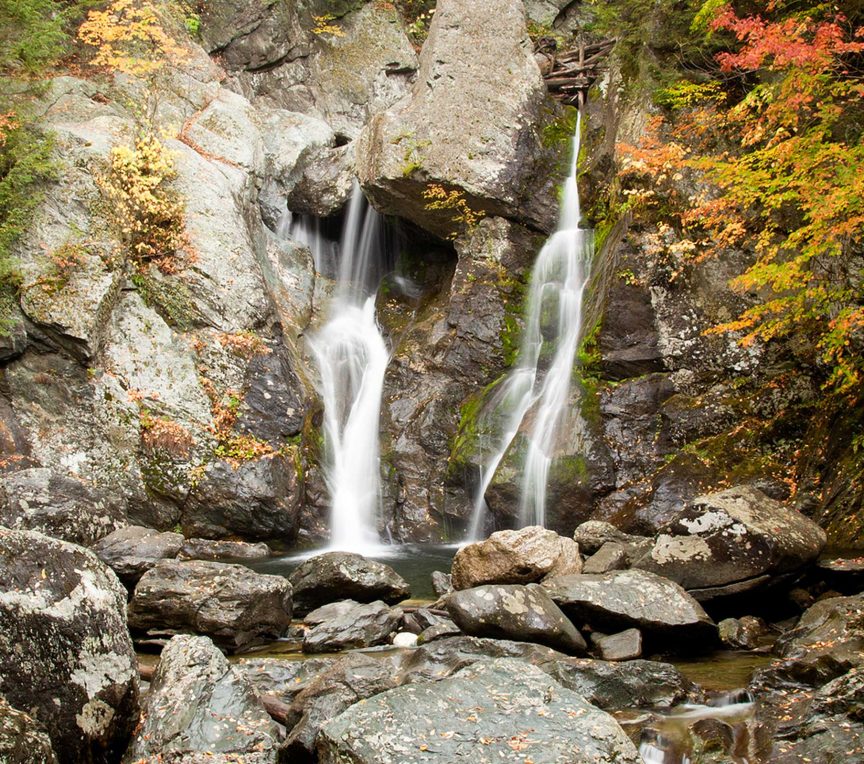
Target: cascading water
{"type": "Point", "coordinates": [352, 357]}
{"type": "Point", "coordinates": [553, 326]}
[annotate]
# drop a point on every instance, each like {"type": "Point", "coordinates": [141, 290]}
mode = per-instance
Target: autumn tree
{"type": "Point", "coordinates": [776, 137]}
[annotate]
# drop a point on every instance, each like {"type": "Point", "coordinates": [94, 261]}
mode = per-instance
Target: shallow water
{"type": "Point", "coordinates": [724, 670]}
{"type": "Point", "coordinates": [414, 562]}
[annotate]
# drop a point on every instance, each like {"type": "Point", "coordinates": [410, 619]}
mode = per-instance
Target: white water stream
{"type": "Point", "coordinates": [351, 357]}
{"type": "Point", "coordinates": [536, 385]}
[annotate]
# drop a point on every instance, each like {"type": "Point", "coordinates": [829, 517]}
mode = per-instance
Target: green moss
{"type": "Point", "coordinates": [174, 301]}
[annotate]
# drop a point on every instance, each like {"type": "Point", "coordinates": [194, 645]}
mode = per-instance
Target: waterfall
{"type": "Point", "coordinates": [351, 356]}
{"type": "Point", "coordinates": [536, 385]}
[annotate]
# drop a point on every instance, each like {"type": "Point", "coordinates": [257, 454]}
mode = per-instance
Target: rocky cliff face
{"type": "Point", "coordinates": [186, 392]}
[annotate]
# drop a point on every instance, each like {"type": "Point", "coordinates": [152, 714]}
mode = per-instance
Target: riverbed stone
{"type": "Point", "coordinates": [57, 505]}
{"type": "Point", "coordinates": [131, 551]}
{"type": "Point", "coordinates": [22, 740]}
{"type": "Point", "coordinates": [233, 605]}
{"type": "Point", "coordinates": [622, 599]}
{"type": "Point", "coordinates": [593, 534]}
{"type": "Point", "coordinates": [198, 704]}
{"type": "Point", "coordinates": [514, 709]}
{"type": "Point", "coordinates": [207, 549]}
{"type": "Point", "coordinates": [742, 633]}
{"type": "Point", "coordinates": [514, 612]}
{"type": "Point", "coordinates": [329, 612]}
{"type": "Point", "coordinates": [362, 626]}
{"type": "Point", "coordinates": [725, 539]}
{"type": "Point", "coordinates": [335, 576]}
{"type": "Point", "coordinates": [610, 556]}
{"type": "Point", "coordinates": [515, 557]}
{"type": "Point", "coordinates": [65, 653]}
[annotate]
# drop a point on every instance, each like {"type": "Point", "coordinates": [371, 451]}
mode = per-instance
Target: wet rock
{"type": "Point", "coordinates": [442, 583]}
{"type": "Point", "coordinates": [442, 629]}
{"type": "Point", "coordinates": [40, 499]}
{"type": "Point", "coordinates": [730, 537]}
{"type": "Point", "coordinates": [65, 654]}
{"type": "Point", "coordinates": [362, 626]}
{"type": "Point", "coordinates": [281, 678]}
{"type": "Point", "coordinates": [205, 549]}
{"type": "Point", "coordinates": [335, 576]}
{"type": "Point", "coordinates": [827, 641]}
{"type": "Point", "coordinates": [515, 709]}
{"type": "Point", "coordinates": [628, 339]}
{"type": "Point", "coordinates": [593, 534]}
{"type": "Point", "coordinates": [131, 551]}
{"type": "Point", "coordinates": [523, 613]}
{"type": "Point", "coordinates": [515, 557]}
{"type": "Point", "coordinates": [329, 612]}
{"type": "Point", "coordinates": [742, 633]}
{"type": "Point", "coordinates": [623, 646]}
{"type": "Point", "coordinates": [22, 740]}
{"type": "Point", "coordinates": [199, 704]}
{"type": "Point", "coordinates": [470, 122]}
{"type": "Point", "coordinates": [231, 604]}
{"type": "Point", "coordinates": [610, 556]}
{"type": "Point", "coordinates": [326, 184]}
{"type": "Point", "coordinates": [348, 680]}
{"type": "Point", "coordinates": [659, 608]}
{"type": "Point", "coordinates": [255, 498]}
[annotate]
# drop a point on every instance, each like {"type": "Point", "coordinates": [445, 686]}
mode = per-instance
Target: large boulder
{"type": "Point", "coordinates": [623, 599]}
{"type": "Point", "coordinates": [515, 557]}
{"type": "Point", "coordinates": [199, 704]}
{"type": "Point", "coordinates": [205, 549]}
{"type": "Point", "coordinates": [517, 612]}
{"type": "Point", "coordinates": [131, 551]}
{"type": "Point", "coordinates": [233, 605]}
{"type": "Point", "coordinates": [470, 122]}
{"type": "Point", "coordinates": [39, 499]}
{"type": "Point", "coordinates": [732, 540]}
{"type": "Point", "coordinates": [335, 576]}
{"type": "Point", "coordinates": [22, 741]}
{"type": "Point", "coordinates": [65, 653]}
{"type": "Point", "coordinates": [361, 626]}
{"type": "Point", "coordinates": [513, 710]}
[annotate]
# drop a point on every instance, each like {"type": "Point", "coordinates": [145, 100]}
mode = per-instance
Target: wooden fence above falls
{"type": "Point", "coordinates": [570, 74]}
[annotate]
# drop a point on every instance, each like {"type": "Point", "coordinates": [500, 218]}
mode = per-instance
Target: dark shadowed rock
{"type": "Point", "coordinates": [65, 654]}
{"type": "Point", "coordinates": [513, 709]}
{"type": "Point", "coordinates": [22, 741]}
{"type": "Point", "coordinates": [229, 603]}
{"type": "Point", "coordinates": [442, 583]}
{"type": "Point", "coordinates": [524, 613]}
{"type": "Point", "coordinates": [40, 499]}
{"type": "Point", "coordinates": [634, 598]}
{"type": "Point", "coordinates": [255, 499]}
{"type": "Point", "coordinates": [361, 626]}
{"type": "Point", "coordinates": [348, 680]}
{"type": "Point", "coordinates": [131, 551]}
{"type": "Point", "coordinates": [199, 704]}
{"type": "Point", "coordinates": [337, 576]}
{"type": "Point", "coordinates": [593, 534]}
{"type": "Point", "coordinates": [205, 549]}
{"type": "Point", "coordinates": [515, 557]}
{"type": "Point", "coordinates": [725, 539]}
{"type": "Point", "coordinates": [827, 641]}
{"type": "Point", "coordinates": [742, 633]}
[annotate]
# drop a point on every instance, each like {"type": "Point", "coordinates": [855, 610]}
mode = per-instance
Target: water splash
{"type": "Point", "coordinates": [351, 356]}
{"type": "Point", "coordinates": [537, 385]}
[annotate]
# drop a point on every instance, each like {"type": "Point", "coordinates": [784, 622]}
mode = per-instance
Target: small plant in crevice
{"type": "Point", "coordinates": [465, 216]}
{"type": "Point", "coordinates": [324, 25]}
{"type": "Point", "coordinates": [160, 434]}
{"type": "Point", "coordinates": [147, 214]}
{"type": "Point", "coordinates": [62, 264]}
{"type": "Point", "coordinates": [231, 445]}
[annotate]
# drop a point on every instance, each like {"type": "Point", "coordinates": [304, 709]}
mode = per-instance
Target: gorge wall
{"type": "Point", "coordinates": [184, 397]}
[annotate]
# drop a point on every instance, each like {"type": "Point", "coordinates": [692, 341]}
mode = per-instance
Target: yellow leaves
{"type": "Point", "coordinates": [324, 25]}
{"type": "Point", "coordinates": [147, 214]}
{"type": "Point", "coordinates": [438, 198]}
{"type": "Point", "coordinates": [128, 37]}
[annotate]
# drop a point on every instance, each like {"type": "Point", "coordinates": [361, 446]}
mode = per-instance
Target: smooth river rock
{"type": "Point", "coordinates": [199, 704]}
{"type": "Point", "coordinates": [66, 658]}
{"type": "Point", "coordinates": [511, 611]}
{"type": "Point", "coordinates": [497, 711]}
{"type": "Point", "coordinates": [233, 605]}
{"type": "Point", "coordinates": [335, 576]}
{"type": "Point", "coordinates": [622, 599]}
{"type": "Point", "coordinates": [515, 557]}
{"type": "Point", "coordinates": [361, 626]}
{"type": "Point", "coordinates": [131, 551]}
